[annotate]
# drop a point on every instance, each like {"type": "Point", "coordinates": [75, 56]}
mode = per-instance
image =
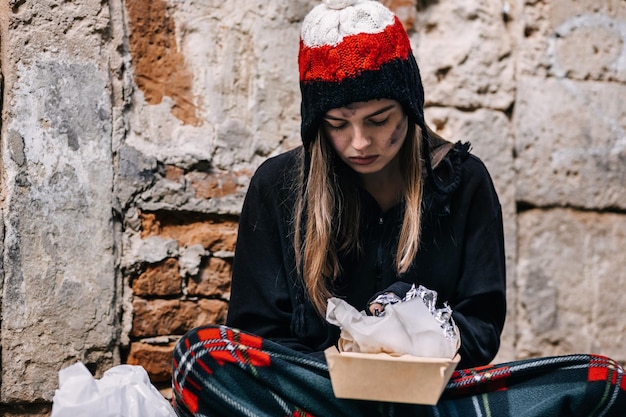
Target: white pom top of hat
{"type": "Point", "coordinates": [328, 23]}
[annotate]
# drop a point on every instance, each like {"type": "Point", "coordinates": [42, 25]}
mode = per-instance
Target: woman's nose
{"type": "Point", "coordinates": [360, 140]}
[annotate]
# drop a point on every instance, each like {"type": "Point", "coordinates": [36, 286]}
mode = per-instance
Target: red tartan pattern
{"type": "Point", "coordinates": [224, 346]}
{"type": "Point", "coordinates": [300, 413]}
{"type": "Point", "coordinates": [235, 348]}
{"type": "Point", "coordinates": [293, 385]}
{"type": "Point", "coordinates": [602, 368]}
{"type": "Point", "coordinates": [474, 380]}
{"type": "Point", "coordinates": [353, 55]}
{"type": "Point", "coordinates": [190, 400]}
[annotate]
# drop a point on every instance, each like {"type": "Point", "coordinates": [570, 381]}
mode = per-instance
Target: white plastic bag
{"type": "Point", "coordinates": [123, 391]}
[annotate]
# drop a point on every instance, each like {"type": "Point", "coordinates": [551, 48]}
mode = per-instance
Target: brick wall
{"type": "Point", "coordinates": [189, 289]}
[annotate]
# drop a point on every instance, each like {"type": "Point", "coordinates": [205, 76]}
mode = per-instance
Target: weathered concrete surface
{"type": "Point", "coordinates": [570, 132]}
{"type": "Point", "coordinates": [159, 66]}
{"type": "Point", "coordinates": [580, 40]}
{"type": "Point", "coordinates": [571, 126]}
{"type": "Point", "coordinates": [464, 50]}
{"type": "Point", "coordinates": [571, 143]}
{"type": "Point", "coordinates": [239, 55]}
{"type": "Point", "coordinates": [571, 273]}
{"type": "Point", "coordinates": [59, 294]}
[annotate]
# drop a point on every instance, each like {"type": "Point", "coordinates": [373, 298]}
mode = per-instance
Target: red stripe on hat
{"type": "Point", "coordinates": [355, 54]}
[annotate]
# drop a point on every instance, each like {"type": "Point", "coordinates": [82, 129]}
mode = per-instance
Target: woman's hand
{"type": "Point", "coordinates": [376, 307]}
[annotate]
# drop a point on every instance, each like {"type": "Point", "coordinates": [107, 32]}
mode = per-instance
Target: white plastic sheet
{"type": "Point", "coordinates": [123, 391]}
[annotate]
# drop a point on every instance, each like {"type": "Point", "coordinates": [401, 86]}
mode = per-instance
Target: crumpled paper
{"type": "Point", "coordinates": [407, 327]}
{"type": "Point", "coordinates": [123, 391]}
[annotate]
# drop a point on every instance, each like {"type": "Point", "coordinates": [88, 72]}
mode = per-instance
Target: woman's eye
{"type": "Point", "coordinates": [335, 126]}
{"type": "Point", "coordinates": [379, 122]}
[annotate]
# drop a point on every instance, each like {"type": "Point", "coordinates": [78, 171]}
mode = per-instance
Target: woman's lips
{"type": "Point", "coordinates": [363, 160]}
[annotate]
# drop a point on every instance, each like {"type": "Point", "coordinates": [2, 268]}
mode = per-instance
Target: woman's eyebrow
{"type": "Point", "coordinates": [377, 112]}
{"type": "Point", "coordinates": [384, 109]}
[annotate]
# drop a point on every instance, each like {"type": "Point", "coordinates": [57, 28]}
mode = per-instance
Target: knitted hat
{"type": "Point", "coordinates": [352, 51]}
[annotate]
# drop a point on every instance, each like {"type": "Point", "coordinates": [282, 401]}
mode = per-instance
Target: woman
{"type": "Point", "coordinates": [372, 202]}
{"type": "Point", "coordinates": [354, 215]}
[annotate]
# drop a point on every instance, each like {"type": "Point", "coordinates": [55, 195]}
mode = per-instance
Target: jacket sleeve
{"type": "Point", "coordinates": [261, 301]}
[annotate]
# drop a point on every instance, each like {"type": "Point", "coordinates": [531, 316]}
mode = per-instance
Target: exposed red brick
{"type": "Point", "coordinates": [213, 235]}
{"type": "Point", "coordinates": [159, 67]}
{"type": "Point", "coordinates": [215, 185]}
{"type": "Point", "coordinates": [174, 317]}
{"type": "Point", "coordinates": [155, 359]}
{"type": "Point", "coordinates": [173, 173]}
{"type": "Point", "coordinates": [159, 279]}
{"type": "Point", "coordinates": [213, 279]}
{"type": "Point", "coordinates": [150, 226]}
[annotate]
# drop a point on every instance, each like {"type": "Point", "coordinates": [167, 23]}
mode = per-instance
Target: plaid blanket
{"type": "Point", "coordinates": [220, 371]}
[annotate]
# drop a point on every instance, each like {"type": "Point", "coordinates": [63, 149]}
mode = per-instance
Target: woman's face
{"type": "Point", "coordinates": [367, 135]}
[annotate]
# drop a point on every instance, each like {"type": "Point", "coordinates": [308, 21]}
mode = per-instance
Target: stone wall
{"type": "Point", "coordinates": [61, 117]}
{"type": "Point", "coordinates": [130, 130]}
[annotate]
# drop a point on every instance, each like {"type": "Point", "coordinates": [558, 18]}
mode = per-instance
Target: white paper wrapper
{"type": "Point", "coordinates": [407, 327]}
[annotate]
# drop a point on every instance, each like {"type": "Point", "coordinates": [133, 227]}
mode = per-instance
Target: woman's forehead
{"type": "Point", "coordinates": [364, 107]}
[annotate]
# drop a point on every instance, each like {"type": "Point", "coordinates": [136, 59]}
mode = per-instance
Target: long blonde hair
{"type": "Point", "coordinates": [328, 203]}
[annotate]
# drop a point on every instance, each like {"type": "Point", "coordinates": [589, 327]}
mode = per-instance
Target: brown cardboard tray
{"type": "Point", "coordinates": [384, 377]}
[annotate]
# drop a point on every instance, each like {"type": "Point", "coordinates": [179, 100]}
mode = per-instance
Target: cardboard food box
{"type": "Point", "coordinates": [384, 377]}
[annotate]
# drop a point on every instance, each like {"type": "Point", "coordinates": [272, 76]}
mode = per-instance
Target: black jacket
{"type": "Point", "coordinates": [461, 256]}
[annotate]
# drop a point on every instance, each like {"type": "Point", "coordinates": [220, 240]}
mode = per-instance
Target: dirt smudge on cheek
{"type": "Point", "coordinates": [399, 132]}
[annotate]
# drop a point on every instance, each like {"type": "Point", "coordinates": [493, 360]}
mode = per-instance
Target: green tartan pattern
{"type": "Point", "coordinates": [220, 371]}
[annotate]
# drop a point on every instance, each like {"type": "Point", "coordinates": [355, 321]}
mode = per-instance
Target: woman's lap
{"type": "Point", "coordinates": [219, 371]}
{"type": "Point", "coordinates": [233, 373]}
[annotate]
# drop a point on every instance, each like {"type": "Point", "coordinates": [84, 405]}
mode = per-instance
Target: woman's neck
{"type": "Point", "coordinates": [385, 187]}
